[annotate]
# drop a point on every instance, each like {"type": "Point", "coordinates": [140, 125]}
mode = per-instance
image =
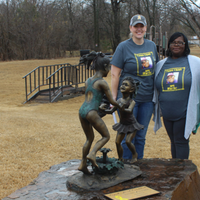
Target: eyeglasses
{"type": "Point", "coordinates": [179, 43]}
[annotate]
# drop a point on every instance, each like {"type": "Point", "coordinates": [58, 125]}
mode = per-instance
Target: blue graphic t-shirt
{"type": "Point", "coordinates": [173, 83]}
{"type": "Point", "coordinates": [137, 61]}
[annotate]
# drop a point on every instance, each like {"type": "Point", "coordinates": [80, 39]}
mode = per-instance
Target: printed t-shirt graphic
{"type": "Point", "coordinates": [145, 63]}
{"type": "Point", "coordinates": [173, 79]}
{"type": "Point", "coordinates": [173, 83]}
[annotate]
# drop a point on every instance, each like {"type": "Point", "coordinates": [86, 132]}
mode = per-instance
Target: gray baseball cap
{"type": "Point", "coordinates": [138, 19]}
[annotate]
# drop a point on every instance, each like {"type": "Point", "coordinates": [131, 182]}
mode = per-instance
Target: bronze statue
{"type": "Point", "coordinates": [96, 87]}
{"type": "Point", "coordinates": [128, 123]}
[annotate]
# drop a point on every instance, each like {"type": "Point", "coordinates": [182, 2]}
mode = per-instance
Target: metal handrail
{"type": "Point", "coordinates": [54, 78]}
{"type": "Point", "coordinates": [65, 76]}
{"type": "Point", "coordinates": [37, 78]}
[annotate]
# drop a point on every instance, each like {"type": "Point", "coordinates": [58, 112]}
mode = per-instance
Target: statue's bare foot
{"type": "Point", "coordinates": [92, 159]}
{"type": "Point", "coordinates": [84, 169]}
{"type": "Point", "coordinates": [133, 160]}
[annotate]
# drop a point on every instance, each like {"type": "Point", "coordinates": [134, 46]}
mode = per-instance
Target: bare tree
{"type": "Point", "coordinates": [184, 12]}
{"type": "Point", "coordinates": [193, 20]}
{"type": "Point", "coordinates": [116, 16]}
{"type": "Point", "coordinates": [47, 29]}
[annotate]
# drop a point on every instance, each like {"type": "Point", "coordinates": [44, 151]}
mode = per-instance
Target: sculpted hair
{"type": "Point", "coordinates": [98, 60]}
{"type": "Point", "coordinates": [101, 62]}
{"type": "Point", "coordinates": [134, 84]}
{"type": "Point", "coordinates": [172, 38]}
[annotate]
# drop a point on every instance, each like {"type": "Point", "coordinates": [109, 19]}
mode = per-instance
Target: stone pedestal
{"type": "Point", "coordinates": [82, 182]}
{"type": "Point", "coordinates": [175, 179]}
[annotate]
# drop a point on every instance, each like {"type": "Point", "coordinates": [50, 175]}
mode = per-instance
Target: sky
{"type": "Point", "coordinates": [198, 2]}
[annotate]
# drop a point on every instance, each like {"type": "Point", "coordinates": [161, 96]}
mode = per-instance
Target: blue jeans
{"type": "Point", "coordinates": [142, 112]}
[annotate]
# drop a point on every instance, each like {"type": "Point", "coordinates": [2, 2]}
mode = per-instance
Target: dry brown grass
{"type": "Point", "coordinates": [34, 137]}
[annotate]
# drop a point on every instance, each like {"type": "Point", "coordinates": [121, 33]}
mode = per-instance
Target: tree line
{"type": "Point", "coordinates": [38, 29]}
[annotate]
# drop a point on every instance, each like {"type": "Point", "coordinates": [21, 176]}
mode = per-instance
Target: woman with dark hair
{"type": "Point", "coordinates": [171, 42]}
{"type": "Point", "coordinates": [178, 101]}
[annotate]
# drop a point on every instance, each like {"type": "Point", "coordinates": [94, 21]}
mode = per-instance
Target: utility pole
{"type": "Point", "coordinates": [96, 25]}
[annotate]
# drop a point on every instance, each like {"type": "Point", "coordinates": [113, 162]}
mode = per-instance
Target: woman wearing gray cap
{"type": "Point", "coordinates": [128, 61]}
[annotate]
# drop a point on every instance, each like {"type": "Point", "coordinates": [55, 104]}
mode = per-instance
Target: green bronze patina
{"type": "Point", "coordinates": [107, 166]}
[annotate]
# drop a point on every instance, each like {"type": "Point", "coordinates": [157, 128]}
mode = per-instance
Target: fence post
{"type": "Point", "coordinates": [166, 41]}
{"type": "Point", "coordinates": [160, 44]}
{"type": "Point", "coordinates": [39, 78]}
{"type": "Point", "coordinates": [151, 32]}
{"type": "Point", "coordinates": [26, 89]}
{"type": "Point", "coordinates": [50, 89]}
{"type": "Point", "coordinates": [62, 80]}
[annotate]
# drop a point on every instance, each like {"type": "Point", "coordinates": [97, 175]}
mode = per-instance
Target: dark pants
{"type": "Point", "coordinates": [179, 145]}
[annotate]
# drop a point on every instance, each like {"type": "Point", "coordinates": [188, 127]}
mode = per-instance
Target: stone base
{"type": "Point", "coordinates": [175, 180]}
{"type": "Point", "coordinates": [80, 182]}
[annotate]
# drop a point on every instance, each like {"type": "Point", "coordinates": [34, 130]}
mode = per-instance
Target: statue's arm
{"type": "Point", "coordinates": [130, 108]}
